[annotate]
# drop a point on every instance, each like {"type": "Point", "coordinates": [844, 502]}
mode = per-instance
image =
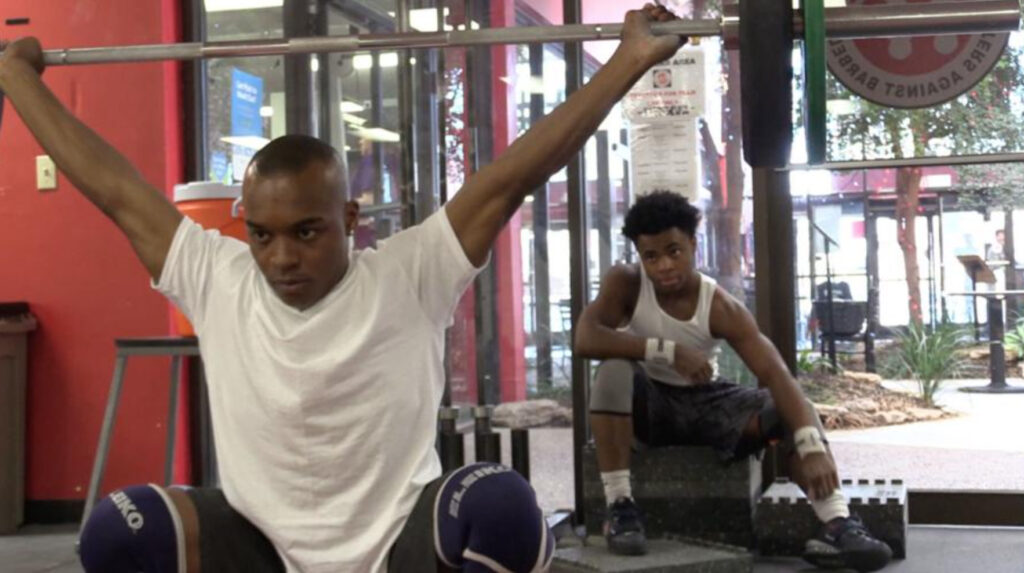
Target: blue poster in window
{"type": "Point", "coordinates": [246, 123]}
{"type": "Point", "coordinates": [246, 99]}
{"type": "Point", "coordinates": [220, 169]}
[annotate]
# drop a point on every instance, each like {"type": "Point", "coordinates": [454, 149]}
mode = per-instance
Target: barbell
{"type": "Point", "coordinates": [763, 31]}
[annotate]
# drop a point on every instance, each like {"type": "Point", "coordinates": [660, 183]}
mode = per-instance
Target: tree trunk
{"type": "Point", "coordinates": [908, 188]}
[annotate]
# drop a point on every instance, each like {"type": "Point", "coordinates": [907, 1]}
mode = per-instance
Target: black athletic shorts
{"type": "Point", "coordinates": [229, 543]}
{"type": "Point", "coordinates": [713, 414]}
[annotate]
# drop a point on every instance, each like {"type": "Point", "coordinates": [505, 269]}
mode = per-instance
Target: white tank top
{"type": "Point", "coordinates": [651, 321]}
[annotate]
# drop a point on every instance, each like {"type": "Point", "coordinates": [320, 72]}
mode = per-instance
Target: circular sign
{"type": "Point", "coordinates": [913, 72]}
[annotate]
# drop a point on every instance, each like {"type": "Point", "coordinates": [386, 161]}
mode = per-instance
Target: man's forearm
{"type": "Point", "coordinates": [90, 163]}
{"type": "Point", "coordinates": [602, 343]}
{"type": "Point", "coordinates": [793, 406]}
{"type": "Point", "coordinates": [552, 142]}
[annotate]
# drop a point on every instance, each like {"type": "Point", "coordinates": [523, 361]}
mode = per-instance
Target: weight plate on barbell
{"type": "Point", "coordinates": [766, 74]}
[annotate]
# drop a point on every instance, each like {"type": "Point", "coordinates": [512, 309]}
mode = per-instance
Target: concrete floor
{"type": "Point", "coordinates": [931, 550]}
{"type": "Point", "coordinates": [39, 549]}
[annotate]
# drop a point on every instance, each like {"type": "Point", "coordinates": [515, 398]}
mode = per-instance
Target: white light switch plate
{"type": "Point", "coordinates": [46, 173]}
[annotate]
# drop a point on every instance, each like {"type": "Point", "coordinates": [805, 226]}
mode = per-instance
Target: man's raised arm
{"type": "Point", "coordinates": [102, 174]}
{"type": "Point", "coordinates": [490, 197]}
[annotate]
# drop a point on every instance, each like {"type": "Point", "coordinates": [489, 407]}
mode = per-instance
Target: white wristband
{"type": "Point", "coordinates": [808, 441]}
{"type": "Point", "coordinates": [660, 351]}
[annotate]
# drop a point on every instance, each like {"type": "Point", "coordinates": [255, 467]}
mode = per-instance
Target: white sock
{"type": "Point", "coordinates": [616, 485]}
{"type": "Point", "coordinates": [831, 507]}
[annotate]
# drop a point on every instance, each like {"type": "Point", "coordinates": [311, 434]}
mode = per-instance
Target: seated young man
{"type": "Point", "coordinates": [325, 367]}
{"type": "Point", "coordinates": [657, 327]}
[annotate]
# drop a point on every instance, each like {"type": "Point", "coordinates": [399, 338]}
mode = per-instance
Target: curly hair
{"type": "Point", "coordinates": [658, 212]}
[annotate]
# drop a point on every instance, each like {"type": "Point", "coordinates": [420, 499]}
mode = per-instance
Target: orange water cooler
{"type": "Point", "coordinates": [213, 206]}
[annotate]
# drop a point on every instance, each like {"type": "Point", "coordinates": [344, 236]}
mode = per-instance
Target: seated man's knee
{"type": "Point", "coordinates": [487, 515]}
{"type": "Point", "coordinates": [770, 424]}
{"type": "Point", "coordinates": [612, 389]}
{"type": "Point", "coordinates": [132, 529]}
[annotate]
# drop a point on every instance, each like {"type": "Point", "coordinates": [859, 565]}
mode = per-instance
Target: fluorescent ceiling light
{"type": "Point", "coordinates": [365, 61]}
{"type": "Point", "coordinates": [227, 5]}
{"type": "Point", "coordinates": [351, 107]}
{"type": "Point", "coordinates": [425, 20]}
{"type": "Point", "coordinates": [379, 134]}
{"type": "Point", "coordinates": [353, 119]}
{"type": "Point", "coordinates": [253, 142]}
{"type": "Point", "coordinates": [314, 64]}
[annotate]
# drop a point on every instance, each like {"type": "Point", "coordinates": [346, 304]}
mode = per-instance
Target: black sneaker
{"type": "Point", "coordinates": [624, 528]}
{"type": "Point", "coordinates": [844, 543]}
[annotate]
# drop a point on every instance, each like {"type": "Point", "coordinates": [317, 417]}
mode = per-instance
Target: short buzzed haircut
{"type": "Point", "coordinates": [291, 154]}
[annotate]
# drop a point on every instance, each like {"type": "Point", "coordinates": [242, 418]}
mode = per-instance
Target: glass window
{"type": "Point", "coordinates": [245, 96]}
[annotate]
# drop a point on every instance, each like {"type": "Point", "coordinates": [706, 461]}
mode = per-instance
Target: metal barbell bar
{"type": "Point", "coordinates": [840, 23]}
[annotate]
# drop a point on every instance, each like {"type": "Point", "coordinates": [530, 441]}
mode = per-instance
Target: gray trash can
{"type": "Point", "coordinates": [15, 323]}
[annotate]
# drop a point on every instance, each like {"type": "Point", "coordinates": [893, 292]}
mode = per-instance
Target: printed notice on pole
{"type": "Point", "coordinates": [664, 157]}
{"type": "Point", "coordinates": [673, 88]}
{"type": "Point", "coordinates": [662, 110]}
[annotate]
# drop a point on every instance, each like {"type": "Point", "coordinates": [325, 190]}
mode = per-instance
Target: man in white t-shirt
{"type": "Point", "coordinates": [325, 368]}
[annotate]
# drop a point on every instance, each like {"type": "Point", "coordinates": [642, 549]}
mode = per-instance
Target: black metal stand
{"type": "Point", "coordinates": [521, 452]}
{"type": "Point", "coordinates": [488, 442]}
{"type": "Point", "coordinates": [997, 358]}
{"type": "Point", "coordinates": [974, 304]}
{"type": "Point", "coordinates": [451, 443]}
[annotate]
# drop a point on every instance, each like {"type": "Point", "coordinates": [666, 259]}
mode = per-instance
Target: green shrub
{"type": "Point", "coordinates": [811, 362]}
{"type": "Point", "coordinates": [930, 356]}
{"type": "Point", "coordinates": [1014, 340]}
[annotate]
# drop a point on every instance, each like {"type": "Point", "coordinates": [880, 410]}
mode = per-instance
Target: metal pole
{"type": "Point", "coordinates": [913, 162]}
{"type": "Point", "coordinates": [996, 357]}
{"type": "Point", "coordinates": [812, 252]}
{"type": "Point", "coordinates": [578, 283]}
{"type": "Point", "coordinates": [831, 308]}
{"type": "Point", "coordinates": [871, 266]}
{"type": "Point", "coordinates": [627, 254]}
{"type": "Point", "coordinates": [541, 270]}
{"type": "Point", "coordinates": [300, 90]}
{"type": "Point", "coordinates": [605, 205]}
{"type": "Point", "coordinates": [106, 432]}
{"type": "Point", "coordinates": [775, 281]}
{"type": "Point", "coordinates": [942, 259]}
{"type": "Point", "coordinates": [479, 124]}
{"type": "Point", "coordinates": [406, 101]}
{"type": "Point", "coordinates": [974, 303]}
{"type": "Point", "coordinates": [841, 23]}
{"type": "Point", "coordinates": [932, 295]}
{"type": "Point", "coordinates": [521, 452]}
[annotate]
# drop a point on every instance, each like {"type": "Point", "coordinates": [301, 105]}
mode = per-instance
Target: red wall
{"type": "Point", "coordinates": [63, 257]}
